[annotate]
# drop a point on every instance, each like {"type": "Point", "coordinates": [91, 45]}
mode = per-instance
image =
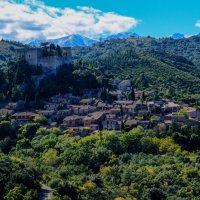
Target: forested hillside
{"type": "Point", "coordinates": [146, 67]}
{"type": "Point", "coordinates": [166, 65]}
{"type": "Point", "coordinates": [187, 47]}
{"type": "Point", "coordinates": [8, 49]}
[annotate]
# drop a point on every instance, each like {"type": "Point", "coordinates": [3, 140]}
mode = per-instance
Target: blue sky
{"type": "Point", "coordinates": [28, 19]}
{"type": "Point", "coordinates": [158, 17]}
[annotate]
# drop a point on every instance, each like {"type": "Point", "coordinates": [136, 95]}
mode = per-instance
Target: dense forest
{"type": "Point", "coordinates": [186, 47]}
{"type": "Point", "coordinates": [139, 164]}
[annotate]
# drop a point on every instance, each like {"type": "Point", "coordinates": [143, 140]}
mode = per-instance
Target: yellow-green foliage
{"type": "Point", "coordinates": [183, 112]}
{"type": "Point", "coordinates": [139, 164]}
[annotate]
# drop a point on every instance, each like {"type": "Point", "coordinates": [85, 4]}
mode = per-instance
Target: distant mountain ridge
{"type": "Point", "coordinates": [123, 35]}
{"type": "Point", "coordinates": [75, 40]}
{"type": "Point", "coordinates": [188, 47]}
{"type": "Point", "coordinates": [67, 41]}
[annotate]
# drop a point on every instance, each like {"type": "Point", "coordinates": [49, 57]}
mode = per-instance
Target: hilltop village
{"type": "Point", "coordinates": [125, 109]}
{"type": "Point", "coordinates": [117, 127]}
{"type": "Point", "coordinates": [86, 115]}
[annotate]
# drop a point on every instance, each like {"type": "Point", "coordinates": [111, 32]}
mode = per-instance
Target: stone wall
{"type": "Point", "coordinates": [49, 64]}
{"type": "Point", "coordinates": [53, 62]}
{"type": "Point", "coordinates": [35, 58]}
{"type": "Point", "coordinates": [33, 55]}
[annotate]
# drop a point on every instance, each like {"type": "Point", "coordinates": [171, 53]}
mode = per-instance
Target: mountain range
{"type": "Point", "coordinates": [75, 40]}
{"type": "Point", "coordinates": [79, 40]}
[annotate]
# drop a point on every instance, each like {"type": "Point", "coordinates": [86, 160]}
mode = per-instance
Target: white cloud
{"type": "Point", "coordinates": [197, 24]}
{"type": "Point", "coordinates": [33, 19]}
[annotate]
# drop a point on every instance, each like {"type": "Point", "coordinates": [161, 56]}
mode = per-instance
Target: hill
{"type": "Point", "coordinates": [168, 65]}
{"type": "Point", "coordinates": [186, 47]}
{"type": "Point", "coordinates": [7, 49]}
{"type": "Point", "coordinates": [146, 64]}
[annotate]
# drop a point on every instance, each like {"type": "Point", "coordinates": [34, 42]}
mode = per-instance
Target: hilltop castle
{"type": "Point", "coordinates": [48, 58]}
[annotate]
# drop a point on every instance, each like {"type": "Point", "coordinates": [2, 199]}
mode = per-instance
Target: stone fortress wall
{"type": "Point", "coordinates": [49, 63]}
{"type": "Point", "coordinates": [34, 57]}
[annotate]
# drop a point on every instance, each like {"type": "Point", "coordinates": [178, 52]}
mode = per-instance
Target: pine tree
{"type": "Point", "coordinates": [133, 94]}
{"type": "Point", "coordinates": [143, 96]}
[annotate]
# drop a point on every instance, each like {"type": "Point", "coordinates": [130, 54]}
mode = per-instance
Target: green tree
{"type": "Point", "coordinates": [40, 119]}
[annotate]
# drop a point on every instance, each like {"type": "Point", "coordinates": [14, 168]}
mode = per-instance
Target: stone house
{"type": "Point", "coordinates": [168, 117]}
{"type": "Point", "coordinates": [4, 112]}
{"type": "Point", "coordinates": [51, 106]}
{"type": "Point", "coordinates": [125, 86]}
{"type": "Point", "coordinates": [168, 123]}
{"type": "Point", "coordinates": [24, 116]}
{"type": "Point", "coordinates": [79, 131]}
{"type": "Point", "coordinates": [63, 113]}
{"type": "Point", "coordinates": [193, 113]}
{"type": "Point", "coordinates": [124, 103]}
{"type": "Point", "coordinates": [129, 109]}
{"type": "Point", "coordinates": [72, 121]}
{"type": "Point", "coordinates": [94, 118]}
{"type": "Point", "coordinates": [131, 123]}
{"type": "Point", "coordinates": [171, 107]}
{"type": "Point", "coordinates": [192, 122]}
{"type": "Point", "coordinates": [110, 116]}
{"type": "Point", "coordinates": [156, 119]}
{"type": "Point", "coordinates": [103, 106]}
{"type": "Point", "coordinates": [94, 127]}
{"type": "Point", "coordinates": [178, 118]}
{"type": "Point", "coordinates": [115, 111]}
{"type": "Point", "coordinates": [143, 113]}
{"type": "Point", "coordinates": [87, 102]}
{"type": "Point", "coordinates": [82, 110]}
{"type": "Point", "coordinates": [47, 113]}
{"type": "Point", "coordinates": [111, 124]}
{"type": "Point", "coordinates": [118, 95]}
{"type": "Point", "coordinates": [140, 106]}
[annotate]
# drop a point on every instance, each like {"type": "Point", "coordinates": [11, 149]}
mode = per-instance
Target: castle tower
{"type": "Point", "coordinates": [47, 60]}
